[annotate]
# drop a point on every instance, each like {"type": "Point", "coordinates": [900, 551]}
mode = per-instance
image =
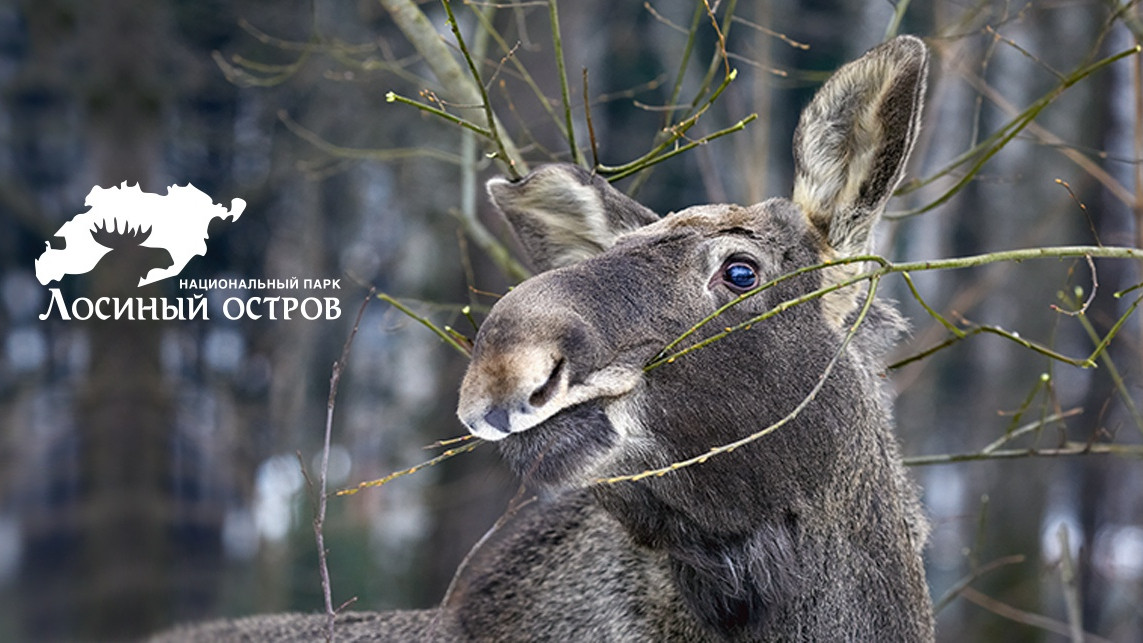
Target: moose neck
{"type": "Point", "coordinates": [797, 517]}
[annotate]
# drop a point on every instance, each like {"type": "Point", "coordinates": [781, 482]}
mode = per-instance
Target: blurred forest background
{"type": "Point", "coordinates": [147, 469]}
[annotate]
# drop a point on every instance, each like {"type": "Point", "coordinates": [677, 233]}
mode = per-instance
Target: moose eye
{"type": "Point", "coordinates": [740, 276]}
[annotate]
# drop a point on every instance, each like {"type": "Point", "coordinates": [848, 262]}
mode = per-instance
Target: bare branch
{"type": "Point", "coordinates": [993, 144]}
{"type": "Point", "coordinates": [887, 267]}
{"type": "Point", "coordinates": [770, 32]}
{"type": "Point", "coordinates": [1083, 208]}
{"type": "Point", "coordinates": [1079, 291]}
{"type": "Point", "coordinates": [565, 94]}
{"type": "Point", "coordinates": [959, 586]}
{"type": "Point", "coordinates": [895, 22]}
{"type": "Point", "coordinates": [1071, 586]}
{"type": "Point", "coordinates": [590, 126]}
{"type": "Point", "coordinates": [1027, 54]}
{"type": "Point", "coordinates": [517, 503]}
{"type": "Point", "coordinates": [349, 491]}
{"type": "Point", "coordinates": [319, 520]}
{"type": "Point", "coordinates": [460, 87]}
{"type": "Point", "coordinates": [740, 125]}
{"type": "Point", "coordinates": [448, 339]}
{"type": "Point", "coordinates": [1021, 616]}
{"type": "Point", "coordinates": [338, 151]}
{"type": "Point", "coordinates": [1113, 371]}
{"type": "Point", "coordinates": [806, 401]}
{"type": "Point", "coordinates": [676, 132]}
{"type": "Point", "coordinates": [1070, 448]}
{"type": "Point", "coordinates": [490, 117]}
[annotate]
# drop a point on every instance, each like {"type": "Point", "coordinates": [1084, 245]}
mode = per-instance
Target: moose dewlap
{"type": "Point", "coordinates": [813, 532]}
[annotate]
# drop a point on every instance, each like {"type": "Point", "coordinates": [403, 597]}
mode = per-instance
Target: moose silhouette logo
{"type": "Point", "coordinates": [170, 229]}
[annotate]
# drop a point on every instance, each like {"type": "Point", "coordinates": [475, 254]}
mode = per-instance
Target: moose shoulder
{"type": "Point", "coordinates": [811, 533]}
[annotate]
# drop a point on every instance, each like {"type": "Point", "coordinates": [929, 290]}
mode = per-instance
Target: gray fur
{"type": "Point", "coordinates": [852, 142]}
{"type": "Point", "coordinates": [812, 533]}
{"type": "Point", "coordinates": [563, 214]}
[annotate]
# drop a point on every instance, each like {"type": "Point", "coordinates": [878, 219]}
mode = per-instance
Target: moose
{"type": "Point", "coordinates": [812, 532]}
{"type": "Point", "coordinates": [128, 255]}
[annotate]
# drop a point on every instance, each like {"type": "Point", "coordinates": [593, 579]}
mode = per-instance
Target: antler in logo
{"type": "Point", "coordinates": [114, 239]}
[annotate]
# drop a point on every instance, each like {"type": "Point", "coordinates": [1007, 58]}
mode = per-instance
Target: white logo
{"type": "Point", "coordinates": [173, 227]}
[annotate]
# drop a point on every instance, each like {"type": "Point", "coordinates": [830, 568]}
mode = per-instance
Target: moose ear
{"type": "Point", "coordinates": [564, 214]}
{"type": "Point", "coordinates": [853, 140]}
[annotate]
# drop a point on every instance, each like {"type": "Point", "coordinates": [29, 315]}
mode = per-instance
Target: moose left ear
{"type": "Point", "coordinates": [854, 139]}
{"type": "Point", "coordinates": [564, 214]}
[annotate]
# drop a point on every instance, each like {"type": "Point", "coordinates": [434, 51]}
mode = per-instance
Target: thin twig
{"type": "Point", "coordinates": [447, 442]}
{"type": "Point", "coordinates": [895, 22]}
{"type": "Point", "coordinates": [1069, 448]}
{"type": "Point", "coordinates": [323, 477]}
{"type": "Point", "coordinates": [972, 329]}
{"type": "Point", "coordinates": [1090, 297]}
{"type": "Point", "coordinates": [421, 33]}
{"type": "Point", "coordinates": [313, 44]}
{"type": "Point", "coordinates": [770, 32]}
{"type": "Point", "coordinates": [1083, 208]}
{"type": "Point", "coordinates": [467, 312]}
{"type": "Point", "coordinates": [684, 61]}
{"type": "Point", "coordinates": [719, 55]}
{"type": "Point", "coordinates": [394, 97]}
{"type": "Point", "coordinates": [565, 94]}
{"type": "Point", "coordinates": [718, 32]}
{"type": "Point", "coordinates": [806, 401]}
{"type": "Point", "coordinates": [1029, 427]}
{"type": "Point", "coordinates": [1070, 586]}
{"type": "Point", "coordinates": [988, 148]}
{"type": "Point", "coordinates": [887, 267]}
{"type": "Point", "coordinates": [1136, 25]}
{"type": "Point", "coordinates": [236, 70]}
{"type": "Point", "coordinates": [493, 130]}
{"type": "Point", "coordinates": [1012, 336]}
{"type": "Point", "coordinates": [774, 71]}
{"type": "Point", "coordinates": [464, 340]}
{"type": "Point", "coordinates": [740, 125]}
{"type": "Point", "coordinates": [932, 313]}
{"type": "Point", "coordinates": [957, 587]}
{"type": "Point", "coordinates": [1113, 373]}
{"type": "Point", "coordinates": [1027, 54]}
{"type": "Point", "coordinates": [670, 134]}
{"type": "Point", "coordinates": [1041, 382]}
{"type": "Point", "coordinates": [517, 503]}
{"type": "Point", "coordinates": [392, 154]}
{"type": "Point", "coordinates": [445, 455]}
{"type": "Point", "coordinates": [590, 125]}
{"type": "Point", "coordinates": [676, 132]}
{"type": "Point", "coordinates": [663, 19]}
{"type": "Point", "coordinates": [448, 339]}
{"type": "Point", "coordinates": [470, 191]}
{"type": "Point", "coordinates": [521, 69]}
{"type": "Point", "coordinates": [1021, 616]}
{"type": "Point", "coordinates": [981, 529]}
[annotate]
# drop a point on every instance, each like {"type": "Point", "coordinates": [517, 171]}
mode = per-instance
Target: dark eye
{"type": "Point", "coordinates": [740, 276]}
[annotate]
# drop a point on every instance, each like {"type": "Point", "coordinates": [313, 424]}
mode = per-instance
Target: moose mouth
{"type": "Point", "coordinates": [563, 447]}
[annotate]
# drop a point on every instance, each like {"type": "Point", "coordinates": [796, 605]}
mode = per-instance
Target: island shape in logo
{"type": "Point", "coordinates": [174, 225]}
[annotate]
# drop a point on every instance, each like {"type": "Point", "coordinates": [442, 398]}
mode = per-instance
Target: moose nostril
{"type": "Point", "coordinates": [498, 418]}
{"type": "Point", "coordinates": [541, 395]}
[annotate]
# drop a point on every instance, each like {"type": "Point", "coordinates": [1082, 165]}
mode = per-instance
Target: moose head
{"type": "Point", "coordinates": [128, 255]}
{"type": "Point", "coordinates": [560, 377]}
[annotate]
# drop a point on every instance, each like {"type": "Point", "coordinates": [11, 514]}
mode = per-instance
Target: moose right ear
{"type": "Point", "coordinates": [564, 214]}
